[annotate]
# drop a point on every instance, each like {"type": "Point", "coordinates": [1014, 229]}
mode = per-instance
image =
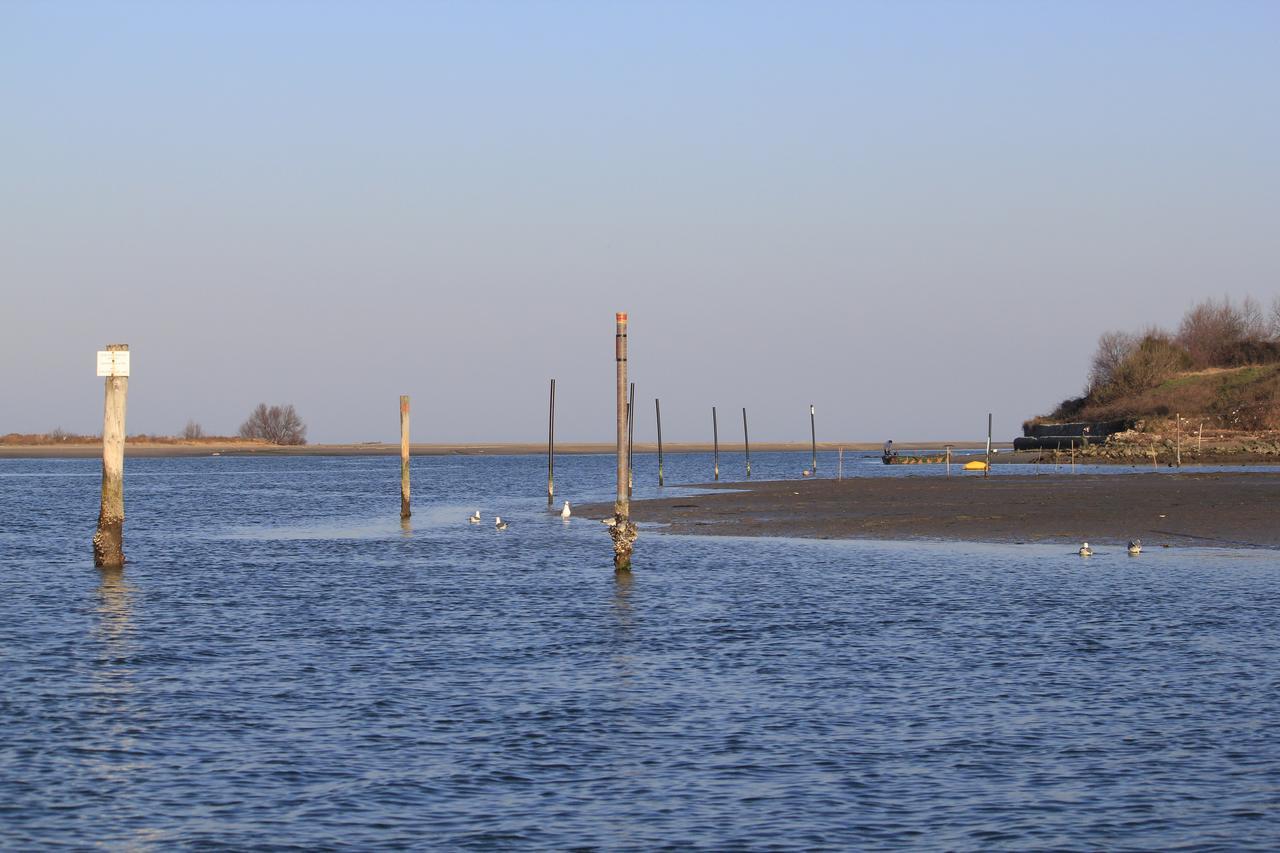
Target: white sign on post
{"type": "Point", "coordinates": [113, 362]}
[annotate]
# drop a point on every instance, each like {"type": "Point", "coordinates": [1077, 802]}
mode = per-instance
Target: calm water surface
{"type": "Point", "coordinates": [282, 663]}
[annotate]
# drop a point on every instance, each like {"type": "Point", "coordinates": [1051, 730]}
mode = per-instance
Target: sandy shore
{"type": "Point", "coordinates": [374, 448]}
{"type": "Point", "coordinates": [1226, 510]}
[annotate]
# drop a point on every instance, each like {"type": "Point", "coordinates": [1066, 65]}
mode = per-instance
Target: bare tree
{"type": "Point", "coordinates": [1113, 349]}
{"type": "Point", "coordinates": [1209, 329]}
{"type": "Point", "coordinates": [1253, 324]}
{"type": "Point", "coordinates": [1275, 318]}
{"type": "Point", "coordinates": [275, 424]}
{"type": "Point", "coordinates": [192, 431]}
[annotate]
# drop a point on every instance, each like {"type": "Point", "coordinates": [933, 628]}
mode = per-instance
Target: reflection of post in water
{"type": "Point", "coordinates": [115, 609]}
{"type": "Point", "coordinates": [406, 527]}
{"type": "Point", "coordinates": [622, 597]}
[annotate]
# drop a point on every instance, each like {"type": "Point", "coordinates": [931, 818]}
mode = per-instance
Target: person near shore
{"type": "Point", "coordinates": [889, 452]}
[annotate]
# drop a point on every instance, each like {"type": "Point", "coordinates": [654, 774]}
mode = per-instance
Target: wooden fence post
{"type": "Point", "coordinates": [404, 456]}
{"type": "Point", "coordinates": [551, 446]}
{"type": "Point", "coordinates": [622, 531]}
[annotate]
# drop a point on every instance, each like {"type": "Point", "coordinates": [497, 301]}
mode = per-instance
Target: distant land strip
{"type": "Point", "coordinates": [76, 450]}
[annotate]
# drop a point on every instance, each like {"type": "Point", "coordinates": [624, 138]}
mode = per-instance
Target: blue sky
{"type": "Point", "coordinates": [907, 213]}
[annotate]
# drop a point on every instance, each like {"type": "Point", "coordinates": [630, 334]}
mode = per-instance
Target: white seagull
{"type": "Point", "coordinates": [1085, 550]}
{"type": "Point", "coordinates": [499, 523]}
{"type": "Point", "coordinates": [564, 513]}
{"type": "Point", "coordinates": [474, 519]}
{"type": "Point", "coordinates": [1135, 547]}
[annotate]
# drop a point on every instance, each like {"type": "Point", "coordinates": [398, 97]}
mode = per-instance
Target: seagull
{"type": "Point", "coordinates": [806, 473]}
{"type": "Point", "coordinates": [499, 523]}
{"type": "Point", "coordinates": [564, 513]}
{"type": "Point", "coordinates": [612, 521]}
{"type": "Point", "coordinates": [474, 519]}
{"type": "Point", "coordinates": [1135, 547]}
{"type": "Point", "coordinates": [1085, 550]}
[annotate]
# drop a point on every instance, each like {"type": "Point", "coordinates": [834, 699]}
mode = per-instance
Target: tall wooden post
{"type": "Point", "coordinates": [404, 456]}
{"type": "Point", "coordinates": [1177, 458]}
{"type": "Point", "coordinates": [986, 472]}
{"type": "Point", "coordinates": [631, 440]}
{"type": "Point", "coordinates": [657, 410]}
{"type": "Point", "coordinates": [840, 466]}
{"type": "Point", "coordinates": [715, 444]}
{"type": "Point", "coordinates": [746, 442]}
{"type": "Point", "coordinates": [108, 541]}
{"type": "Point", "coordinates": [622, 531]}
{"type": "Point", "coordinates": [551, 446]}
{"type": "Point", "coordinates": [813, 441]}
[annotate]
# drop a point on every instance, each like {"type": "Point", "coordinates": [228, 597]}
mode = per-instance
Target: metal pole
{"type": "Point", "coordinates": [631, 434]}
{"type": "Point", "coordinates": [657, 410]}
{"type": "Point", "coordinates": [813, 440]}
{"type": "Point", "coordinates": [715, 438]}
{"type": "Point", "coordinates": [622, 531]}
{"type": "Point", "coordinates": [746, 441]}
{"type": "Point", "coordinates": [551, 446]}
{"type": "Point", "coordinates": [987, 470]}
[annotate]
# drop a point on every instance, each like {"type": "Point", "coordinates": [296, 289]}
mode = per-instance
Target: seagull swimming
{"type": "Point", "coordinates": [474, 519]}
{"type": "Point", "coordinates": [1135, 547]}
{"type": "Point", "coordinates": [1085, 550]}
{"type": "Point", "coordinates": [564, 513]}
{"type": "Point", "coordinates": [499, 523]}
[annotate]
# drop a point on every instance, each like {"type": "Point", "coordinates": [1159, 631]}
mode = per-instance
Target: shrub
{"type": "Point", "coordinates": [275, 424]}
{"type": "Point", "coordinates": [192, 431]}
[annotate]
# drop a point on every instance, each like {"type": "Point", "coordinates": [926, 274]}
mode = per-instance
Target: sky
{"type": "Point", "coordinates": [908, 214]}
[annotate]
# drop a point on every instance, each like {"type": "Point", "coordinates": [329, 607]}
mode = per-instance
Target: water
{"type": "Point", "coordinates": [283, 664]}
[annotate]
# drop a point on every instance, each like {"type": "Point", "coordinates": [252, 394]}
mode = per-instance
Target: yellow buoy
{"type": "Point", "coordinates": [975, 465]}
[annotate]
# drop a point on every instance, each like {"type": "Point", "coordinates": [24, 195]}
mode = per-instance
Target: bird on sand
{"type": "Point", "coordinates": [1085, 550]}
{"type": "Point", "coordinates": [1135, 547]}
{"type": "Point", "coordinates": [474, 519]}
{"type": "Point", "coordinates": [499, 523]}
{"type": "Point", "coordinates": [564, 513]}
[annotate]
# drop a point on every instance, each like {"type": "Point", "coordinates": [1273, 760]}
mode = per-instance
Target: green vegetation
{"type": "Point", "coordinates": [1222, 366]}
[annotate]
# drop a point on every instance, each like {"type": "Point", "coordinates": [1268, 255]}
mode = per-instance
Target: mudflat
{"type": "Point", "coordinates": [1164, 509]}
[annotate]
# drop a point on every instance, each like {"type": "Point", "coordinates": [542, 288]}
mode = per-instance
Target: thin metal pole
{"type": "Point", "coordinates": [551, 445]}
{"type": "Point", "coordinates": [631, 433]}
{"type": "Point", "coordinates": [715, 437]}
{"type": "Point", "coordinates": [986, 472]}
{"type": "Point", "coordinates": [813, 440]}
{"type": "Point", "coordinates": [657, 410]}
{"type": "Point", "coordinates": [746, 441]}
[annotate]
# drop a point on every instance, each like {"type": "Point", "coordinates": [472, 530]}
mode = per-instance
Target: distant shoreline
{"type": "Point", "coordinates": [180, 449]}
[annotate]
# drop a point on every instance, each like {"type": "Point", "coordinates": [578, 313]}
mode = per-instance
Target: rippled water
{"type": "Point", "coordinates": [282, 663]}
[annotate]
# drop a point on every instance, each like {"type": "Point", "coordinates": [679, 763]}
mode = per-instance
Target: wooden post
{"type": "Point", "coordinates": [987, 470]}
{"type": "Point", "coordinates": [657, 410]}
{"type": "Point", "coordinates": [715, 444]}
{"type": "Point", "coordinates": [813, 441]}
{"type": "Point", "coordinates": [840, 466]}
{"type": "Point", "coordinates": [948, 460]}
{"type": "Point", "coordinates": [631, 444]}
{"type": "Point", "coordinates": [551, 446]}
{"type": "Point", "coordinates": [108, 541]}
{"type": "Point", "coordinates": [1177, 463]}
{"type": "Point", "coordinates": [1199, 436]}
{"type": "Point", "coordinates": [746, 441]}
{"type": "Point", "coordinates": [622, 531]}
{"type": "Point", "coordinates": [404, 456]}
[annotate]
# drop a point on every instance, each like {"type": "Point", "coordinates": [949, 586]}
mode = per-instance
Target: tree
{"type": "Point", "coordinates": [192, 431]}
{"type": "Point", "coordinates": [1113, 349]}
{"type": "Point", "coordinates": [275, 424]}
{"type": "Point", "coordinates": [1209, 329]}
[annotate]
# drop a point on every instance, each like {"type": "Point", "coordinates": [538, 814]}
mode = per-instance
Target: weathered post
{"type": "Point", "coordinates": [813, 441]}
{"type": "Point", "coordinates": [657, 410]}
{"type": "Point", "coordinates": [746, 441]}
{"type": "Point", "coordinates": [631, 440]}
{"type": "Point", "coordinates": [1177, 457]}
{"type": "Point", "coordinates": [622, 531]}
{"type": "Point", "coordinates": [986, 472]}
{"type": "Point", "coordinates": [108, 541]}
{"type": "Point", "coordinates": [551, 446]}
{"type": "Point", "coordinates": [840, 466]}
{"type": "Point", "coordinates": [1199, 436]}
{"type": "Point", "coordinates": [948, 460]}
{"type": "Point", "coordinates": [715, 444]}
{"type": "Point", "coordinates": [404, 456]}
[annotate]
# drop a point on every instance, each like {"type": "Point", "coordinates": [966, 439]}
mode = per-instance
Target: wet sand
{"type": "Point", "coordinates": [1175, 510]}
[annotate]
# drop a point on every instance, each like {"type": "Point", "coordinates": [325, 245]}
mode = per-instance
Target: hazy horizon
{"type": "Point", "coordinates": [907, 214]}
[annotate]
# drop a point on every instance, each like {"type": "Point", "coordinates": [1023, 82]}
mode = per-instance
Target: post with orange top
{"type": "Point", "coordinates": [404, 456]}
{"type": "Point", "coordinates": [622, 531]}
{"type": "Point", "coordinates": [108, 541]}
